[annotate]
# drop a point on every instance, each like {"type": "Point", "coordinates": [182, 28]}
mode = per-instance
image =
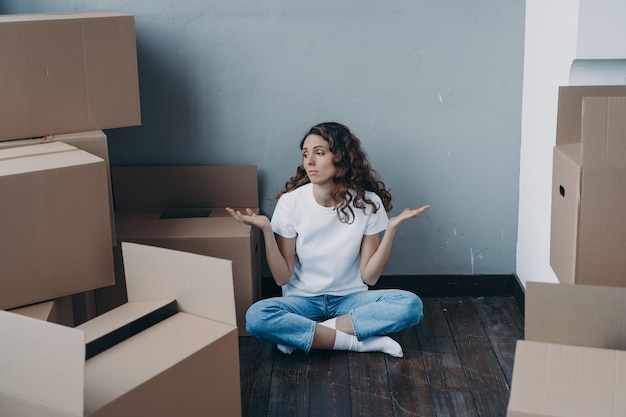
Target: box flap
{"type": "Point", "coordinates": [93, 141]}
{"type": "Point", "coordinates": [133, 224]}
{"type": "Point", "coordinates": [201, 285]}
{"type": "Point", "coordinates": [567, 381]}
{"type": "Point", "coordinates": [38, 17]}
{"type": "Point", "coordinates": [577, 315]}
{"type": "Point", "coordinates": [119, 317]}
{"type": "Point", "coordinates": [67, 72]}
{"type": "Point", "coordinates": [36, 149]}
{"type": "Point", "coordinates": [172, 187]}
{"type": "Point", "coordinates": [42, 362]}
{"type": "Point", "coordinates": [603, 131]}
{"type": "Point", "coordinates": [569, 113]}
{"type": "Point", "coordinates": [43, 157]}
{"type": "Point", "coordinates": [118, 370]}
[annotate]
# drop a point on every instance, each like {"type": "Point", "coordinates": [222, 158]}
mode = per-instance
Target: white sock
{"type": "Point", "coordinates": [385, 344]}
{"type": "Point", "coordinates": [330, 323]}
{"type": "Point", "coordinates": [287, 350]}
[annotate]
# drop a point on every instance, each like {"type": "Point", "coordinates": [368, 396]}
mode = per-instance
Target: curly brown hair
{"type": "Point", "coordinates": [353, 172]}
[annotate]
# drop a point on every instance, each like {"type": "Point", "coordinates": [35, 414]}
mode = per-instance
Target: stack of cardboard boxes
{"type": "Point", "coordinates": [572, 362]}
{"type": "Point", "coordinates": [171, 347]}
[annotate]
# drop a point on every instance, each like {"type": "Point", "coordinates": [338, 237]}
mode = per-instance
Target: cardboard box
{"type": "Point", "coordinates": [187, 363]}
{"type": "Point", "coordinates": [95, 142]}
{"type": "Point", "coordinates": [182, 208]}
{"type": "Point", "coordinates": [56, 224]}
{"type": "Point", "coordinates": [67, 72]}
{"type": "Point", "coordinates": [572, 363]}
{"type": "Point", "coordinates": [588, 230]}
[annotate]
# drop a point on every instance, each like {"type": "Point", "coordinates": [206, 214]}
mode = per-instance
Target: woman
{"type": "Point", "coordinates": [323, 249]}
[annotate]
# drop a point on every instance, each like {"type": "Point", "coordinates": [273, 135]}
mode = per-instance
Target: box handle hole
{"type": "Point", "coordinates": [562, 190]}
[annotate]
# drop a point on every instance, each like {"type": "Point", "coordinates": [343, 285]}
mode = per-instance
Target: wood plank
{"type": "Point", "coordinates": [329, 393]}
{"type": "Point", "coordinates": [369, 386]}
{"type": "Point", "coordinates": [255, 364]}
{"type": "Point", "coordinates": [410, 392]}
{"type": "Point", "coordinates": [503, 328]}
{"type": "Point", "coordinates": [484, 375]}
{"type": "Point", "coordinates": [289, 390]}
{"type": "Point", "coordinates": [447, 382]}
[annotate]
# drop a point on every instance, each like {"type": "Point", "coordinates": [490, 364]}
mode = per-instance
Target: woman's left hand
{"type": "Point", "coordinates": [396, 221]}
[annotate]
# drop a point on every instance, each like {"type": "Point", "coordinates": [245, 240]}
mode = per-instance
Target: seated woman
{"type": "Point", "coordinates": [323, 247]}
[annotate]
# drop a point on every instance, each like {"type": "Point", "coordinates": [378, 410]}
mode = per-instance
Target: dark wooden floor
{"type": "Point", "coordinates": [457, 362]}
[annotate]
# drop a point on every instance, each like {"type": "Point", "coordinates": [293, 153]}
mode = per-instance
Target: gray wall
{"type": "Point", "coordinates": [433, 89]}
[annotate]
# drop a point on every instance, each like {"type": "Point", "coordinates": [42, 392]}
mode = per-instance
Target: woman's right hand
{"type": "Point", "coordinates": [250, 218]}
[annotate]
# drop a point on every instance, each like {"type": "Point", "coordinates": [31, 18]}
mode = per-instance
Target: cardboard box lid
{"type": "Point", "coordinates": [175, 187]}
{"type": "Point", "coordinates": [570, 109]}
{"type": "Point", "coordinates": [580, 315]}
{"type": "Point", "coordinates": [67, 72]}
{"type": "Point", "coordinates": [567, 381]}
{"type": "Point", "coordinates": [35, 355]}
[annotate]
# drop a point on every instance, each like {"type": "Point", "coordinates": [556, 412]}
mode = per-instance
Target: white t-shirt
{"type": "Point", "coordinates": [327, 250]}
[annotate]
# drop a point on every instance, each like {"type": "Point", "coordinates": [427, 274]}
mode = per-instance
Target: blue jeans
{"type": "Point", "coordinates": [291, 320]}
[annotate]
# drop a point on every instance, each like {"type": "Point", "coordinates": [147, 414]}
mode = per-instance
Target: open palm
{"type": "Point", "coordinates": [396, 221]}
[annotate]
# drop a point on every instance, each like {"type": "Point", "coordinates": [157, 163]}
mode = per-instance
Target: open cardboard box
{"type": "Point", "coordinates": [588, 229]}
{"type": "Point", "coordinates": [186, 364]}
{"type": "Point", "coordinates": [572, 362]}
{"type": "Point", "coordinates": [67, 72]}
{"type": "Point", "coordinates": [183, 208]}
{"type": "Point", "coordinates": [56, 223]}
